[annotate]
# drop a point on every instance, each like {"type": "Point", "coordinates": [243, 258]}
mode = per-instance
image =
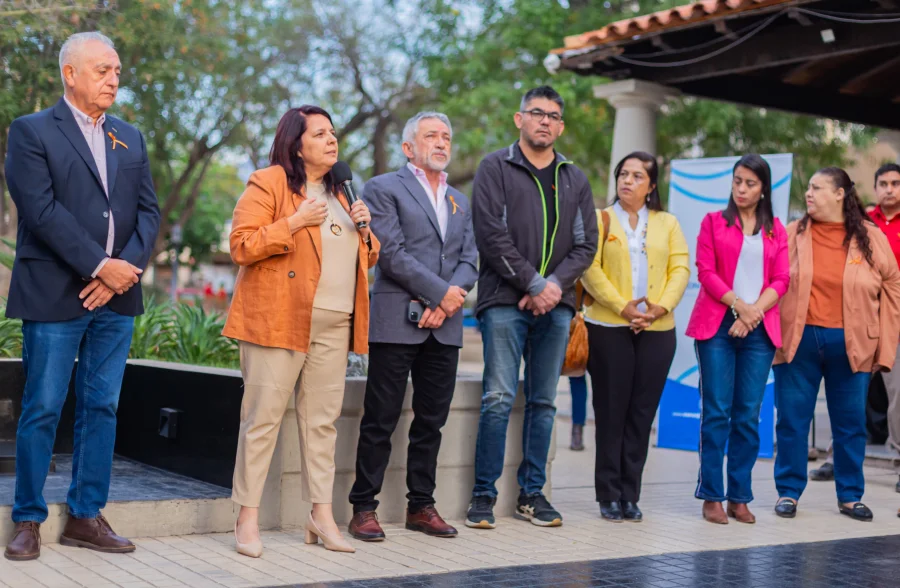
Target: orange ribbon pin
{"type": "Point", "coordinates": [856, 260]}
{"type": "Point", "coordinates": [115, 141]}
{"type": "Point", "coordinates": [453, 202]}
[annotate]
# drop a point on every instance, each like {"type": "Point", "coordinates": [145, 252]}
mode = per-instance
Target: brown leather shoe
{"type": "Point", "coordinates": [714, 513]}
{"type": "Point", "coordinates": [94, 534]}
{"type": "Point", "coordinates": [364, 526]}
{"type": "Point", "coordinates": [741, 513]}
{"type": "Point", "coordinates": [428, 521]}
{"type": "Point", "coordinates": [26, 542]}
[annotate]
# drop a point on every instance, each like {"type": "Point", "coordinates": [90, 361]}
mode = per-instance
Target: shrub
{"type": "Point", "coordinates": [10, 334]}
{"type": "Point", "coordinates": [152, 339]}
{"type": "Point", "coordinates": [197, 339]}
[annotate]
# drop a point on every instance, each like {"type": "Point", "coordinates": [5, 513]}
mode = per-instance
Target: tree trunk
{"type": "Point", "coordinates": [379, 146]}
{"type": "Point", "coordinates": [4, 204]}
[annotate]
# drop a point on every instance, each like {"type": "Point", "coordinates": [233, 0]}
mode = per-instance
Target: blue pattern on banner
{"type": "Point", "coordinates": [689, 176]}
{"type": "Point", "coordinates": [687, 372]}
{"type": "Point", "coordinates": [695, 196]}
{"type": "Point", "coordinates": [701, 198]}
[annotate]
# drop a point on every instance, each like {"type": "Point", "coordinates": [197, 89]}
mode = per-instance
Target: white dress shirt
{"type": "Point", "coordinates": [637, 253]}
{"type": "Point", "coordinates": [439, 200]}
{"type": "Point", "coordinates": [92, 129]}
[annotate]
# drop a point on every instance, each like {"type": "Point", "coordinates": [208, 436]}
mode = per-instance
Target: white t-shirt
{"type": "Point", "coordinates": [748, 276]}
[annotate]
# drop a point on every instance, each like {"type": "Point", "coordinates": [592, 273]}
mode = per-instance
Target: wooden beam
{"type": "Point", "coordinates": [803, 73]}
{"type": "Point", "coordinates": [721, 27]}
{"type": "Point", "coordinates": [799, 17]}
{"type": "Point", "coordinates": [779, 96]}
{"type": "Point", "coordinates": [858, 84]}
{"type": "Point", "coordinates": [783, 45]}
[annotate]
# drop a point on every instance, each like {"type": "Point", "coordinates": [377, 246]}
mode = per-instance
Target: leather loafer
{"type": "Point", "coordinates": [611, 511]}
{"type": "Point", "coordinates": [631, 513]}
{"type": "Point", "coordinates": [428, 521]}
{"type": "Point", "coordinates": [858, 511]}
{"type": "Point", "coordinates": [786, 508]}
{"type": "Point", "coordinates": [94, 534]}
{"type": "Point", "coordinates": [365, 527]}
{"type": "Point", "coordinates": [26, 542]}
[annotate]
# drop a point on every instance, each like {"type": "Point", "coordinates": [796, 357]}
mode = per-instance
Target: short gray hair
{"type": "Point", "coordinates": [73, 45]}
{"type": "Point", "coordinates": [412, 125]}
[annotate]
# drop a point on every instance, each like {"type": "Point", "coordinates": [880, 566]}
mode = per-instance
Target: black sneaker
{"type": "Point", "coordinates": [481, 513]}
{"type": "Point", "coordinates": [538, 510]}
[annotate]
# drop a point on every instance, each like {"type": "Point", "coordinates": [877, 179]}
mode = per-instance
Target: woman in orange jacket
{"type": "Point", "coordinates": [840, 321]}
{"type": "Point", "coordinates": [300, 305]}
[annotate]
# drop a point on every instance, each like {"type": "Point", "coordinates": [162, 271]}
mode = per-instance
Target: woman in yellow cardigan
{"type": "Point", "coordinates": [637, 279]}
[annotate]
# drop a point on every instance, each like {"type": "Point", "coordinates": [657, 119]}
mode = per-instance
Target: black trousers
{"type": "Point", "coordinates": [433, 366]}
{"type": "Point", "coordinates": [628, 374]}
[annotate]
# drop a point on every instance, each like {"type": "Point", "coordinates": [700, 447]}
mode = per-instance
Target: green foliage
{"type": "Point", "coordinates": [152, 338]}
{"type": "Point", "coordinates": [219, 191]}
{"type": "Point", "coordinates": [10, 334]}
{"type": "Point", "coordinates": [7, 259]}
{"type": "Point", "coordinates": [196, 338]}
{"type": "Point", "coordinates": [487, 54]}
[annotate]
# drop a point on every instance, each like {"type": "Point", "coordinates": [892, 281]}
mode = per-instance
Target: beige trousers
{"type": "Point", "coordinates": [892, 387]}
{"type": "Point", "coordinates": [316, 379]}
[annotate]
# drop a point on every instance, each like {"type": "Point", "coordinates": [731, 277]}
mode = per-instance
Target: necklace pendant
{"type": "Point", "coordinates": [336, 229]}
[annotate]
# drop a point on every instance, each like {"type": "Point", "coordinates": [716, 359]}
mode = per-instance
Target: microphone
{"type": "Point", "coordinates": [343, 177]}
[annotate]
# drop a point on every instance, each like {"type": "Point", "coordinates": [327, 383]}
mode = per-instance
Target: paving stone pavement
{"type": "Point", "coordinates": [130, 481]}
{"type": "Point", "coordinates": [673, 525]}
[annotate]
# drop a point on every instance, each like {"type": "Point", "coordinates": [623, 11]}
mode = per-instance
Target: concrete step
{"type": "Point", "coordinates": [143, 502]}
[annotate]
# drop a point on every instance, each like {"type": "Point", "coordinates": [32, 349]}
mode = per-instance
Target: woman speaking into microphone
{"type": "Point", "coordinates": [300, 305]}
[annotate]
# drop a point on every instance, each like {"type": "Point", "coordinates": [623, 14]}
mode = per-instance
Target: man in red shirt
{"type": "Point", "coordinates": [887, 216]}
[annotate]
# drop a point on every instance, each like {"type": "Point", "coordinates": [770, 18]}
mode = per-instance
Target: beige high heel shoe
{"type": "Point", "coordinates": [252, 549]}
{"type": "Point", "coordinates": [314, 533]}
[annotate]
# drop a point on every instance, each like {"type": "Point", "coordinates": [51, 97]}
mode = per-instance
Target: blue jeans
{"type": "Point", "coordinates": [733, 375]}
{"type": "Point", "coordinates": [822, 353]}
{"type": "Point", "coordinates": [509, 334]}
{"type": "Point", "coordinates": [101, 340]}
{"type": "Point", "coordinates": [578, 389]}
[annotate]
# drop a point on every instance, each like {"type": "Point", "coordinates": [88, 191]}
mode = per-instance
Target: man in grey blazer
{"type": "Point", "coordinates": [428, 257]}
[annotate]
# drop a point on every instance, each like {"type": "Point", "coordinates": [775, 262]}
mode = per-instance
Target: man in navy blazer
{"type": "Point", "coordinates": [88, 220]}
{"type": "Point", "coordinates": [428, 257]}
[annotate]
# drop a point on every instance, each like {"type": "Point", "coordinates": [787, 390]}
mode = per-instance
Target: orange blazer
{"type": "Point", "coordinates": [871, 305]}
{"type": "Point", "coordinates": [276, 285]}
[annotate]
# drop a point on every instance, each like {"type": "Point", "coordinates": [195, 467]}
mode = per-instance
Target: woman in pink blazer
{"type": "Point", "coordinates": [743, 268]}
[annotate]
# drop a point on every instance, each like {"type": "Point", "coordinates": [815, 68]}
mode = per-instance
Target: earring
{"type": "Point", "coordinates": [762, 197]}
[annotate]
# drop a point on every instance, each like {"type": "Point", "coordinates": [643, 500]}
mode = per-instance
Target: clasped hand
{"type": "Point", "coordinates": [639, 321]}
{"type": "Point", "coordinates": [543, 302]}
{"type": "Point", "coordinates": [750, 316]}
{"type": "Point", "coordinates": [117, 276]}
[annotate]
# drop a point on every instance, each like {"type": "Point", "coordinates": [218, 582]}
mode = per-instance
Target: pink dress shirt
{"type": "Point", "coordinates": [93, 133]}
{"type": "Point", "coordinates": [718, 249]}
{"type": "Point", "coordinates": [439, 200]}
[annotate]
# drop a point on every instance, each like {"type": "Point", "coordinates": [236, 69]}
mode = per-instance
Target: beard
{"type": "Point", "coordinates": [433, 164]}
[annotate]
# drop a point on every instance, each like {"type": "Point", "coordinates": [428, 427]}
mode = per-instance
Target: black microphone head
{"type": "Point", "coordinates": [341, 172]}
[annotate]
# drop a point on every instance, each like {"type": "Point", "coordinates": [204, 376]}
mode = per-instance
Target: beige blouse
{"type": "Point", "coordinates": [340, 255]}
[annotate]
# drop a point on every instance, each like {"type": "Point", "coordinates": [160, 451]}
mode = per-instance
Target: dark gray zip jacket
{"type": "Point", "coordinates": [510, 227]}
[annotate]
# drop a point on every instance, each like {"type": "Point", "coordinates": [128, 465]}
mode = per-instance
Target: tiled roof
{"type": "Point", "coordinates": [666, 19]}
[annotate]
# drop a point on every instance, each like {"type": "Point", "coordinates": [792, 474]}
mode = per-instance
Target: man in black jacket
{"type": "Point", "coordinates": [536, 232]}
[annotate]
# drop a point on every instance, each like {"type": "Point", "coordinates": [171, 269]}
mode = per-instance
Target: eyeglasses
{"type": "Point", "coordinates": [538, 115]}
